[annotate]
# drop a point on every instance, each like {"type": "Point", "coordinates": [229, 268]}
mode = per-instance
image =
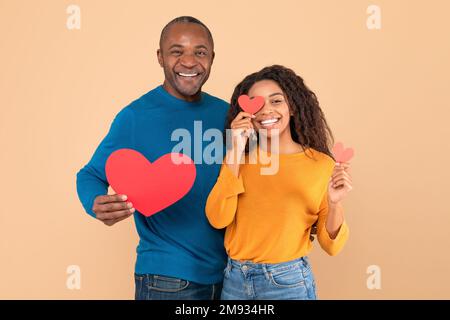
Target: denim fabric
{"type": "Point", "coordinates": [291, 280]}
{"type": "Point", "coordinates": [156, 287]}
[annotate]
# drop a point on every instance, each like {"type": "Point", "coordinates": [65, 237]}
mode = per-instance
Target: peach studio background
{"type": "Point", "coordinates": [384, 92]}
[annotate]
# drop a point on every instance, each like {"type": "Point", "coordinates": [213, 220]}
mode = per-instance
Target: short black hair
{"type": "Point", "coordinates": [184, 19]}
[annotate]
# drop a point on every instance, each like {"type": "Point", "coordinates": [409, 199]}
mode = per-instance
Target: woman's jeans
{"type": "Point", "coordinates": [291, 280]}
{"type": "Point", "coordinates": [156, 287]}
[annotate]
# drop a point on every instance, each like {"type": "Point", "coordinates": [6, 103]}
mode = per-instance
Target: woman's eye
{"type": "Point", "coordinates": [277, 101]}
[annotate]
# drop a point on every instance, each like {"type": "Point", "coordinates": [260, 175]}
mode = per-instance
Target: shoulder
{"type": "Point", "coordinates": [216, 101]}
{"type": "Point", "coordinates": [322, 159]}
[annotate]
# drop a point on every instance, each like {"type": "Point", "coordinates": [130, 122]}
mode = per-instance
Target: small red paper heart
{"type": "Point", "coordinates": [150, 187]}
{"type": "Point", "coordinates": [341, 154]}
{"type": "Point", "coordinates": [251, 106]}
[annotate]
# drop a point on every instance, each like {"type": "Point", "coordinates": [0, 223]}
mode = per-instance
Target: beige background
{"type": "Point", "coordinates": [385, 92]}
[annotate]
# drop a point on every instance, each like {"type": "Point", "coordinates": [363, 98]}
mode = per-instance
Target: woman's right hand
{"type": "Point", "coordinates": [241, 129]}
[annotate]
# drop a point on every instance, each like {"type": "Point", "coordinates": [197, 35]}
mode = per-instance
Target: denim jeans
{"type": "Point", "coordinates": [291, 280]}
{"type": "Point", "coordinates": [156, 287]}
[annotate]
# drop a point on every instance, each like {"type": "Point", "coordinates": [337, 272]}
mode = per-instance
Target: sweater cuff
{"type": "Point", "coordinates": [232, 185]}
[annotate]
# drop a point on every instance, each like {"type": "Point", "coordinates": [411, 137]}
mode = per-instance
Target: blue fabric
{"type": "Point", "coordinates": [178, 241]}
{"type": "Point", "coordinates": [155, 287]}
{"type": "Point", "coordinates": [292, 280]}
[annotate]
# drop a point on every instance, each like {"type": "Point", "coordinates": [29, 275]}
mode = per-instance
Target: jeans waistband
{"type": "Point", "coordinates": [301, 262]}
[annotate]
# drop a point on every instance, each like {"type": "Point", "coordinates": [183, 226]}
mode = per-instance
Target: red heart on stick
{"type": "Point", "coordinates": [151, 187]}
{"type": "Point", "coordinates": [342, 154]}
{"type": "Point", "coordinates": [251, 106]}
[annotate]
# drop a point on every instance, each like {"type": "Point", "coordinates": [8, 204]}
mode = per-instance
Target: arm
{"type": "Point", "coordinates": [332, 231]}
{"type": "Point", "coordinates": [222, 201]}
{"type": "Point", "coordinates": [91, 179]}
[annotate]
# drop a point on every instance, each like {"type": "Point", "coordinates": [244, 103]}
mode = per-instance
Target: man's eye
{"type": "Point", "coordinates": [201, 53]}
{"type": "Point", "coordinates": [177, 53]}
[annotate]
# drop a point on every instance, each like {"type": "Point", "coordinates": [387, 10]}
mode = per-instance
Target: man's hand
{"type": "Point", "coordinates": [111, 209]}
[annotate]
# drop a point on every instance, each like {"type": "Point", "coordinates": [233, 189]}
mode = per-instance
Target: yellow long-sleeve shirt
{"type": "Point", "coordinates": [269, 217]}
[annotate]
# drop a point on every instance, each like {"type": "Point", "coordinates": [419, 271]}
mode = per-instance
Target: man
{"type": "Point", "coordinates": [179, 256]}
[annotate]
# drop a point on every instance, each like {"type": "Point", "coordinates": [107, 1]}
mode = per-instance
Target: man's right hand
{"type": "Point", "coordinates": [111, 209]}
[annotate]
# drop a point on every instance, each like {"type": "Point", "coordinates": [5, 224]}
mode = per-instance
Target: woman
{"type": "Point", "coordinates": [269, 217]}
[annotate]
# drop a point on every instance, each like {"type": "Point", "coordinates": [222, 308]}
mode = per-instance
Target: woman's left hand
{"type": "Point", "coordinates": [340, 183]}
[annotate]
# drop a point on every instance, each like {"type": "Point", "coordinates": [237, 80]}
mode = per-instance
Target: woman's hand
{"type": "Point", "coordinates": [241, 129]}
{"type": "Point", "coordinates": [340, 183]}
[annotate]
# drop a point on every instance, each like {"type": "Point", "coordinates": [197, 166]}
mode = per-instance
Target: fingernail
{"type": "Point", "coordinates": [129, 205]}
{"type": "Point", "coordinates": [124, 197]}
{"type": "Point", "coordinates": [253, 116]}
{"type": "Point", "coordinates": [338, 164]}
{"type": "Point", "coordinates": [132, 210]}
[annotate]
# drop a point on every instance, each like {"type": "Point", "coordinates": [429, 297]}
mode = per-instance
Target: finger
{"type": "Point", "coordinates": [341, 182]}
{"type": "Point", "coordinates": [339, 174]}
{"type": "Point", "coordinates": [343, 164]}
{"type": "Point", "coordinates": [110, 198]}
{"type": "Point", "coordinates": [340, 177]}
{"type": "Point", "coordinates": [339, 168]}
{"type": "Point", "coordinates": [111, 222]}
{"type": "Point", "coordinates": [345, 185]}
{"type": "Point", "coordinates": [240, 123]}
{"type": "Point", "coordinates": [337, 171]}
{"type": "Point", "coordinates": [115, 214]}
{"type": "Point", "coordinates": [114, 206]}
{"type": "Point", "coordinates": [244, 114]}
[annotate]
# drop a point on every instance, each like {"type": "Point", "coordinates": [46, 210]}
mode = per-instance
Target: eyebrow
{"type": "Point", "coordinates": [175, 46]}
{"type": "Point", "coordinates": [275, 94]}
{"type": "Point", "coordinates": [201, 46]}
{"type": "Point", "coordinates": [271, 95]}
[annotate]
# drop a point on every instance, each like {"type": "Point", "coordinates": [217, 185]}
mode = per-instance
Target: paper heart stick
{"type": "Point", "coordinates": [342, 154]}
{"type": "Point", "coordinates": [251, 106]}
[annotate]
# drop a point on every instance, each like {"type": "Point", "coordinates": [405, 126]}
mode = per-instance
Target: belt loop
{"type": "Point", "coordinates": [266, 273]}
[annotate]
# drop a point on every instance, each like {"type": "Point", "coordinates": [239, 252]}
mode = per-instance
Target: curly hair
{"type": "Point", "coordinates": [308, 125]}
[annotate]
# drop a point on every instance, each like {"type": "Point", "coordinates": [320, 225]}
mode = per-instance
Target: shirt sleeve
{"type": "Point", "coordinates": [91, 179]}
{"type": "Point", "coordinates": [330, 246]}
{"type": "Point", "coordinates": [222, 201]}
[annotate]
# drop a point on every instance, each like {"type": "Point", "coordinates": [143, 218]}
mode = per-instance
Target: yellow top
{"type": "Point", "coordinates": [269, 217]}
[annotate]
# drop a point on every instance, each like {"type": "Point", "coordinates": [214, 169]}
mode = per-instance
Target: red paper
{"type": "Point", "coordinates": [150, 187]}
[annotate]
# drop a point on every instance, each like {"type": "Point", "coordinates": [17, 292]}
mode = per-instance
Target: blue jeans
{"type": "Point", "coordinates": [156, 287]}
{"type": "Point", "coordinates": [291, 280]}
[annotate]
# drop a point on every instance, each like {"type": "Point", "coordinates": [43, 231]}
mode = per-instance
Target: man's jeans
{"type": "Point", "coordinates": [156, 287]}
{"type": "Point", "coordinates": [291, 280]}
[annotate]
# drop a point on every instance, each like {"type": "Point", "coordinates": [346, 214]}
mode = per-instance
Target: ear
{"type": "Point", "coordinates": [213, 55]}
{"type": "Point", "coordinates": [160, 58]}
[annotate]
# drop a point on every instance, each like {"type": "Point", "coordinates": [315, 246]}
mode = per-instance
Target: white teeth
{"type": "Point", "coordinates": [187, 74]}
{"type": "Point", "coordinates": [270, 121]}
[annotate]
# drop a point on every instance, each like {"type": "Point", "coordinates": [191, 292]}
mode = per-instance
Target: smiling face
{"type": "Point", "coordinates": [275, 114]}
{"type": "Point", "coordinates": [186, 54]}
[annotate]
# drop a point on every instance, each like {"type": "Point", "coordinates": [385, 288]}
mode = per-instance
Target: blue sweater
{"type": "Point", "coordinates": [178, 241]}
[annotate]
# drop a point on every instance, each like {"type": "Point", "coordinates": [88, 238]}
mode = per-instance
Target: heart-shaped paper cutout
{"type": "Point", "coordinates": [342, 154]}
{"type": "Point", "coordinates": [251, 106]}
{"type": "Point", "coordinates": [150, 187]}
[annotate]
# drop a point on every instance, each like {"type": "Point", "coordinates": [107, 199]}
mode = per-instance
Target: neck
{"type": "Point", "coordinates": [176, 94]}
{"type": "Point", "coordinates": [285, 144]}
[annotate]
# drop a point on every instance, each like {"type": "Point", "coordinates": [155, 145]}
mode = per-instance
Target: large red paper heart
{"type": "Point", "coordinates": [342, 154]}
{"type": "Point", "coordinates": [151, 187]}
{"type": "Point", "coordinates": [251, 106]}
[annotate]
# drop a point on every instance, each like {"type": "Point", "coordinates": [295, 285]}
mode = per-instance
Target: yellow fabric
{"type": "Point", "coordinates": [269, 217]}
